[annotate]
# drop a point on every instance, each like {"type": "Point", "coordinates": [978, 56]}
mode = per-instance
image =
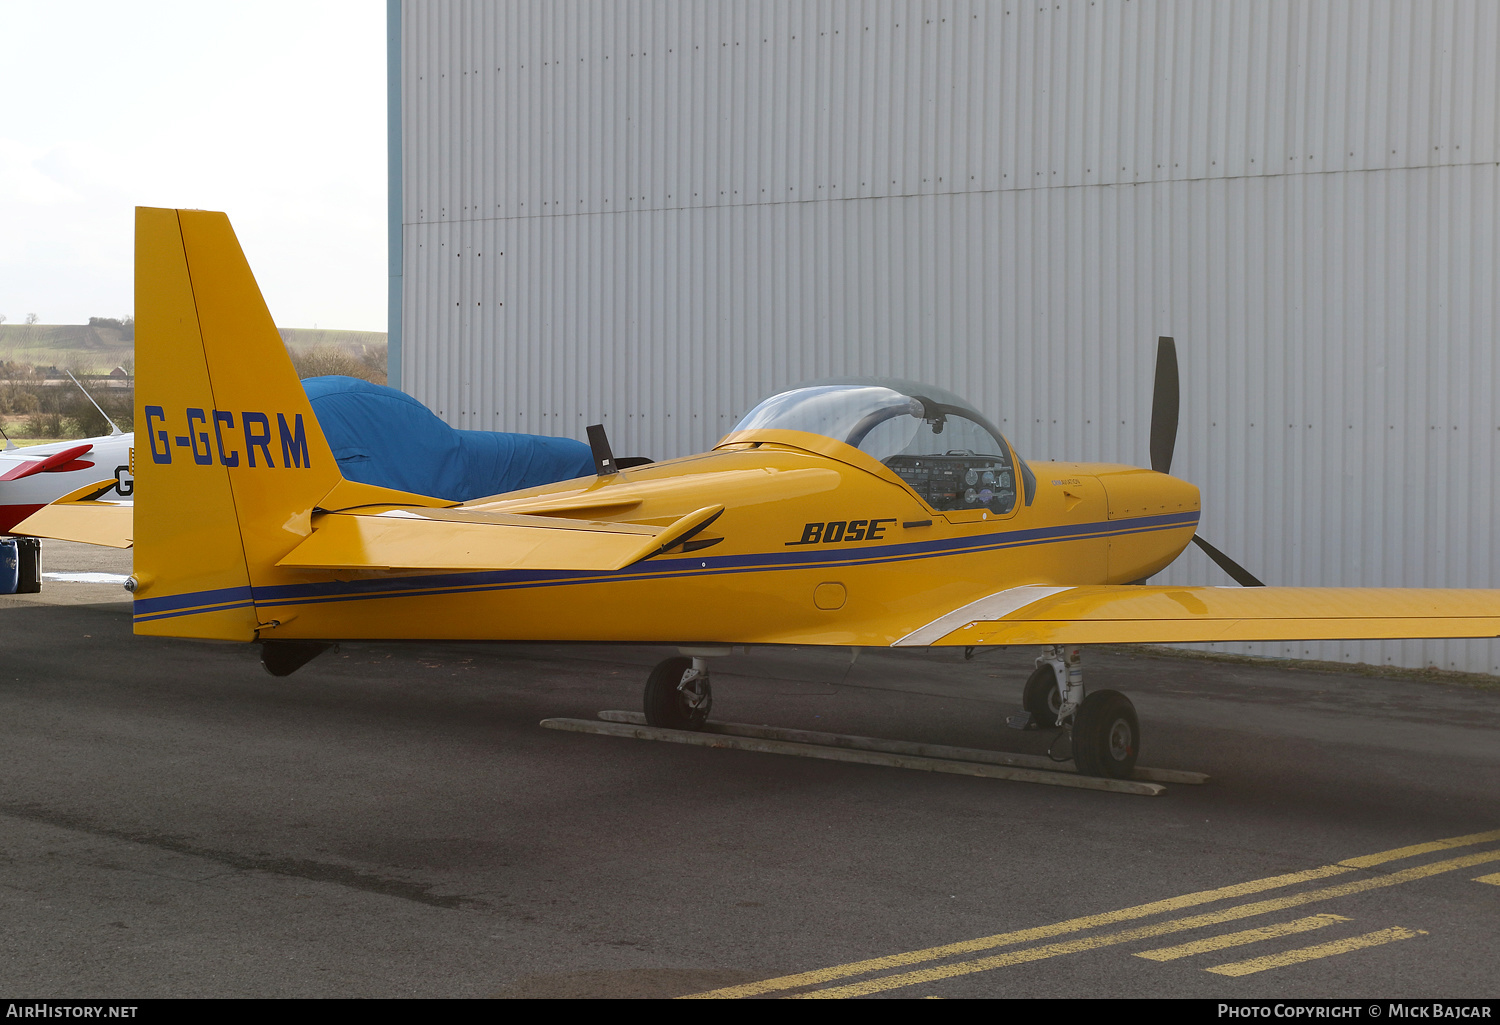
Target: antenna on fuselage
{"type": "Point", "coordinates": [604, 457]}
{"type": "Point", "coordinates": [113, 429]}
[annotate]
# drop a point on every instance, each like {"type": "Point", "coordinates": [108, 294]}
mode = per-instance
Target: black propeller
{"type": "Point", "coordinates": [1240, 574]}
{"type": "Point", "coordinates": [1165, 400]}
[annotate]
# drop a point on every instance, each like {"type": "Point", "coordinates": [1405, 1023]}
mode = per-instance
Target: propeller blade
{"type": "Point", "coordinates": [1166, 398]}
{"type": "Point", "coordinates": [1164, 402]}
{"type": "Point", "coordinates": [1240, 574]}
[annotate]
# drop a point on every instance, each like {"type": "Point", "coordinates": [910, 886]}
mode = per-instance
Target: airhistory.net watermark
{"type": "Point", "coordinates": [47, 1009]}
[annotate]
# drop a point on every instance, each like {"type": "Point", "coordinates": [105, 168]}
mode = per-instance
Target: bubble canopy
{"type": "Point", "coordinates": [925, 434]}
{"type": "Point", "coordinates": [859, 411]}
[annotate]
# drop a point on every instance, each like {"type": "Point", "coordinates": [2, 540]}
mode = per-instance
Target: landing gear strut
{"type": "Point", "coordinates": [1106, 734]}
{"type": "Point", "coordinates": [678, 694]}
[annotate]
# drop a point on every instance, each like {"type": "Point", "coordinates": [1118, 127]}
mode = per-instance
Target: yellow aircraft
{"type": "Point", "coordinates": [851, 513]}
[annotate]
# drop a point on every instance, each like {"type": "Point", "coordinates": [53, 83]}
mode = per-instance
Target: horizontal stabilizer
{"type": "Point", "coordinates": [79, 516]}
{"type": "Point", "coordinates": [1127, 614]}
{"type": "Point", "coordinates": [466, 539]}
{"type": "Point", "coordinates": [57, 462]}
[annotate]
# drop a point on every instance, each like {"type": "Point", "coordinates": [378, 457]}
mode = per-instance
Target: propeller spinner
{"type": "Point", "coordinates": [1165, 400]}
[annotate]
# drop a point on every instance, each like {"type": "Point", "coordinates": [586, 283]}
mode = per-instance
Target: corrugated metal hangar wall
{"type": "Point", "coordinates": [652, 214]}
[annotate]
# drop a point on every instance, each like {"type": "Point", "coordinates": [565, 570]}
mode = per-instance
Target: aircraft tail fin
{"type": "Point", "coordinates": [230, 460]}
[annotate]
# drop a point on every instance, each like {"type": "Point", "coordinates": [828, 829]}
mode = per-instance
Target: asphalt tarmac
{"type": "Point", "coordinates": [392, 821]}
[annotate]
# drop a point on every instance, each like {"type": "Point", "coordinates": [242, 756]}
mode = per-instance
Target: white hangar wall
{"type": "Point", "coordinates": [652, 214]}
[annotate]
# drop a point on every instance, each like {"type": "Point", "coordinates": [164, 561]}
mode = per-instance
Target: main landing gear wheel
{"type": "Point", "coordinates": [1106, 735]}
{"type": "Point", "coordinates": [678, 697]}
{"type": "Point", "coordinates": [1041, 699]}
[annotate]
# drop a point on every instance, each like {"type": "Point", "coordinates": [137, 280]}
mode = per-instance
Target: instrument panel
{"type": "Point", "coordinates": [958, 482]}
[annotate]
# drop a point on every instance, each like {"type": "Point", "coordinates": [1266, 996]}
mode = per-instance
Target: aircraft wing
{"type": "Point", "coordinates": [458, 539]}
{"type": "Point", "coordinates": [1129, 613]}
{"type": "Point", "coordinates": [79, 516]}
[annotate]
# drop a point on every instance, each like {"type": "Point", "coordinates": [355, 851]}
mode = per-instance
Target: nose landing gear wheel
{"type": "Point", "coordinates": [1106, 735]}
{"type": "Point", "coordinates": [1041, 699]}
{"type": "Point", "coordinates": [677, 697]}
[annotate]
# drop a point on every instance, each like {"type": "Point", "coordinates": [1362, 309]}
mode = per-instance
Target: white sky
{"type": "Point", "coordinates": [273, 112]}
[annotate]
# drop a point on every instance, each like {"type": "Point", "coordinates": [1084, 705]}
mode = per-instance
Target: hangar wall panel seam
{"type": "Point", "coordinates": [651, 213]}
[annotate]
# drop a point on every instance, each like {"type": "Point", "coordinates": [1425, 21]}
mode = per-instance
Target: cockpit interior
{"type": "Point", "coordinates": [940, 447]}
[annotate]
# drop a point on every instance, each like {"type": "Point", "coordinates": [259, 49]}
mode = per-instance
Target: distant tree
{"type": "Point", "coordinates": [44, 425]}
{"type": "Point", "coordinates": [3, 318]}
{"type": "Point", "coordinates": [125, 325]}
{"type": "Point", "coordinates": [82, 420]}
{"type": "Point", "coordinates": [18, 386]}
{"type": "Point", "coordinates": [22, 400]}
{"type": "Point", "coordinates": [32, 318]}
{"type": "Point", "coordinates": [18, 389]}
{"type": "Point", "coordinates": [323, 360]}
{"type": "Point", "coordinates": [374, 364]}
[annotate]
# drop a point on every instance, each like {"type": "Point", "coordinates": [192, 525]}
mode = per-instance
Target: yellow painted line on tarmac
{"type": "Point", "coordinates": [823, 975]}
{"type": "Point", "coordinates": [1239, 939]}
{"type": "Point", "coordinates": [1383, 857]}
{"type": "Point", "coordinates": [1301, 954]}
{"type": "Point", "coordinates": [1142, 932]}
{"type": "Point", "coordinates": [1493, 879]}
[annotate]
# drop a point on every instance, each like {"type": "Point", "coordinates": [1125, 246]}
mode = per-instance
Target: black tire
{"type": "Point", "coordinates": [1106, 735]}
{"type": "Point", "coordinates": [1040, 697]}
{"type": "Point", "coordinates": [670, 707]}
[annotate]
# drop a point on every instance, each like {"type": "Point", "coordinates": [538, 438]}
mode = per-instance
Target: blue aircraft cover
{"type": "Point", "coordinates": [385, 437]}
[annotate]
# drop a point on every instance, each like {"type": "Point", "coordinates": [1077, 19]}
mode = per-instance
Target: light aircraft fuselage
{"type": "Point", "coordinates": [818, 543]}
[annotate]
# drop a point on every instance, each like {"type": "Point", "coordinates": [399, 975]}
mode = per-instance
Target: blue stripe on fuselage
{"type": "Point", "coordinates": [146, 608]}
{"type": "Point", "coordinates": [319, 592]}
